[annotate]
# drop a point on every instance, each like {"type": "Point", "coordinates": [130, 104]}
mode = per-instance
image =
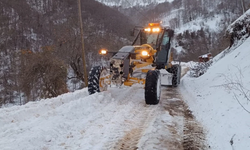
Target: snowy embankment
{"type": "Point", "coordinates": [216, 98]}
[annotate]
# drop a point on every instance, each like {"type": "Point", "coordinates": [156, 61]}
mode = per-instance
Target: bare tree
{"type": "Point", "coordinates": [243, 5]}
{"type": "Point", "coordinates": [43, 78]}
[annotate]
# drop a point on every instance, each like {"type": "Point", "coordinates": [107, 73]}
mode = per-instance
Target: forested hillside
{"type": "Point", "coordinates": [40, 46]}
{"type": "Point", "coordinates": [203, 24]}
{"type": "Point", "coordinates": [200, 25]}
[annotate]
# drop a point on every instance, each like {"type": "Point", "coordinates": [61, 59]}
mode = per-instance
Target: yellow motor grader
{"type": "Point", "coordinates": [139, 64]}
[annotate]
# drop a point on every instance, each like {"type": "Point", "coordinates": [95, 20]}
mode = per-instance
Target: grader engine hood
{"type": "Point", "coordinates": [123, 53]}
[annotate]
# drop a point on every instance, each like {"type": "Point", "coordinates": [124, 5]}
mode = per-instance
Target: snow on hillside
{"type": "Point", "coordinates": [213, 24]}
{"type": "Point", "coordinates": [131, 3]}
{"type": "Point", "coordinates": [216, 98]}
{"type": "Point", "coordinates": [245, 18]}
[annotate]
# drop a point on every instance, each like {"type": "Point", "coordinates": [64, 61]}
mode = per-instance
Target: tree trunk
{"type": "Point", "coordinates": [243, 6]}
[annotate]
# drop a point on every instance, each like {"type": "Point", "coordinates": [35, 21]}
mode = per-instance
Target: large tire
{"type": "Point", "coordinates": [94, 80]}
{"type": "Point", "coordinates": [176, 70]}
{"type": "Point", "coordinates": [153, 87]}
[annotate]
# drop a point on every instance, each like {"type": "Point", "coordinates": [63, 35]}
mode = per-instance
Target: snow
{"type": "Point", "coordinates": [78, 120]}
{"type": "Point", "coordinates": [212, 99]}
{"type": "Point", "coordinates": [245, 17]}
{"type": "Point", "coordinates": [81, 121]}
{"type": "Point", "coordinates": [132, 3]}
{"type": "Point", "coordinates": [213, 24]}
{"type": "Point", "coordinates": [219, 100]}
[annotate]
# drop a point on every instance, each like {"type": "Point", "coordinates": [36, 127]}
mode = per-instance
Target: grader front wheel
{"type": "Point", "coordinates": [96, 79]}
{"type": "Point", "coordinates": [153, 87]}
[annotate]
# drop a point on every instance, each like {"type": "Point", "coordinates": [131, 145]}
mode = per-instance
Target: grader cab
{"type": "Point", "coordinates": [139, 63]}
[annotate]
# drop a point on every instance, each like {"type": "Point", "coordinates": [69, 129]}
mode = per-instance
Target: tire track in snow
{"type": "Point", "coordinates": [132, 137]}
{"type": "Point", "coordinates": [168, 125]}
{"type": "Point", "coordinates": [191, 136]}
{"type": "Point", "coordinates": [171, 103]}
{"type": "Point", "coordinates": [165, 131]}
{"type": "Point", "coordinates": [140, 116]}
{"type": "Point", "coordinates": [124, 98]}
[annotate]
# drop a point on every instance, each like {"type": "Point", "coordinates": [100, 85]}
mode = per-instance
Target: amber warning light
{"type": "Point", "coordinates": [153, 24]}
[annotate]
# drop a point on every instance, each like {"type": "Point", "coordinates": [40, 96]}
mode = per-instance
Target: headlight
{"type": "Point", "coordinates": [147, 29]}
{"type": "Point", "coordinates": [103, 52]}
{"type": "Point", "coordinates": [145, 53]}
{"type": "Point", "coordinates": [156, 29]}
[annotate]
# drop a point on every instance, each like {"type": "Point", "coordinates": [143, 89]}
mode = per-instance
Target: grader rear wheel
{"type": "Point", "coordinates": [176, 70]}
{"type": "Point", "coordinates": [96, 79]}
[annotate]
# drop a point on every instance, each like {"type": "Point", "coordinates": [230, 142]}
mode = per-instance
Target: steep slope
{"type": "Point", "coordinates": [220, 100]}
{"type": "Point", "coordinates": [220, 97]}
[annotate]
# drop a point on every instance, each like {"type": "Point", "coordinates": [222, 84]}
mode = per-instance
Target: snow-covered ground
{"type": "Point", "coordinates": [216, 98]}
{"type": "Point", "coordinates": [115, 119]}
{"type": "Point", "coordinates": [119, 118]}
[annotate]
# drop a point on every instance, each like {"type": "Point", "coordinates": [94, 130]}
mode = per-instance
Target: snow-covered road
{"type": "Point", "coordinates": [115, 119]}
